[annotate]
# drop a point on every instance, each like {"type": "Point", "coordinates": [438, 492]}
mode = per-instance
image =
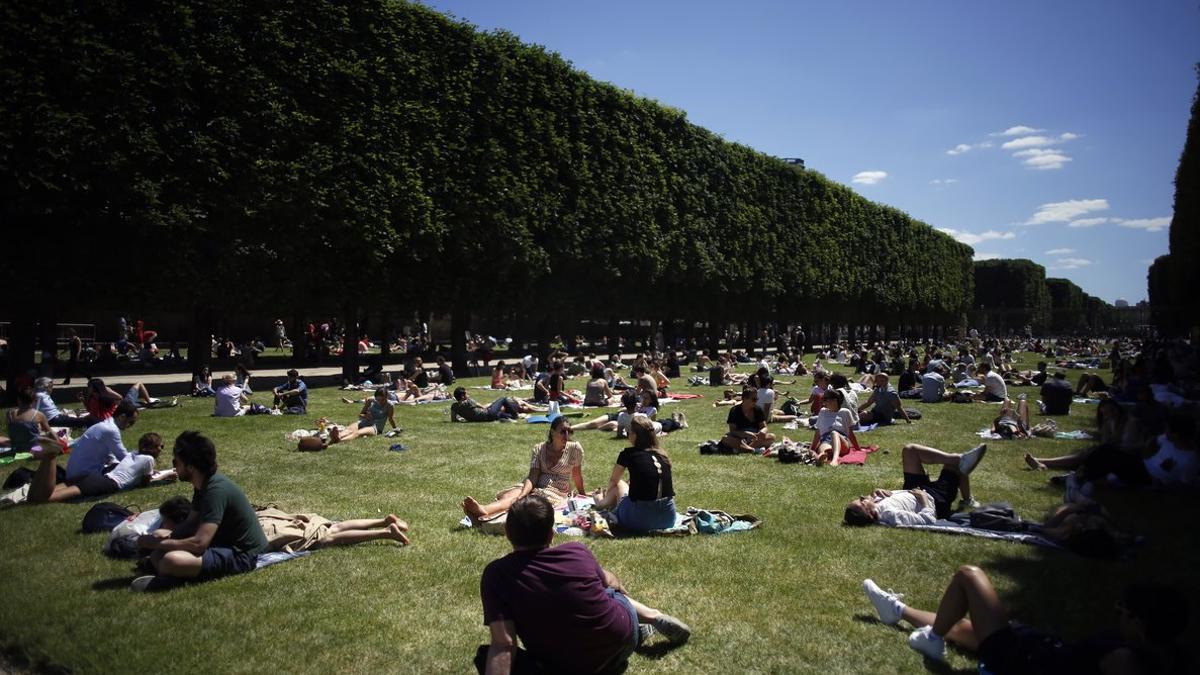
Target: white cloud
{"type": "Point", "coordinates": [1147, 224]}
{"type": "Point", "coordinates": [868, 177]}
{"type": "Point", "coordinates": [1017, 131]}
{"type": "Point", "coordinates": [1070, 263]}
{"type": "Point", "coordinates": [1028, 142]}
{"type": "Point", "coordinates": [943, 181]}
{"type": "Point", "coordinates": [1087, 222]}
{"type": "Point", "coordinates": [1062, 212]}
{"type": "Point", "coordinates": [1068, 136]}
{"type": "Point", "coordinates": [1060, 251]}
{"type": "Point", "coordinates": [986, 256]}
{"type": "Point", "coordinates": [1047, 161]}
{"type": "Point", "coordinates": [970, 238]}
{"type": "Point", "coordinates": [959, 149]}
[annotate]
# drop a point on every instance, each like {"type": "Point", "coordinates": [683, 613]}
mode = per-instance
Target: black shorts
{"type": "Point", "coordinates": [612, 417]}
{"type": "Point", "coordinates": [219, 561]}
{"type": "Point", "coordinates": [1027, 651]}
{"type": "Point", "coordinates": [941, 490]}
{"type": "Point", "coordinates": [95, 485]}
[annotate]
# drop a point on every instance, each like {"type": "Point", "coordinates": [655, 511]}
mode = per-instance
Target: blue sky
{"type": "Point", "coordinates": [1043, 130]}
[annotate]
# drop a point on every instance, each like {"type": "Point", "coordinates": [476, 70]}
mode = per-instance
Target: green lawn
{"type": "Point", "coordinates": [784, 598]}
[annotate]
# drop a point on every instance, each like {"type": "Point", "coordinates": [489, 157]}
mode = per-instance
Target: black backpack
{"type": "Point", "coordinates": [23, 476]}
{"type": "Point", "coordinates": [103, 517]}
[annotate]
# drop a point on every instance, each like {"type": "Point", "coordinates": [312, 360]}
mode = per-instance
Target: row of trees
{"type": "Point", "coordinates": [1011, 294]}
{"type": "Point", "coordinates": [1172, 279]}
{"type": "Point", "coordinates": [376, 156]}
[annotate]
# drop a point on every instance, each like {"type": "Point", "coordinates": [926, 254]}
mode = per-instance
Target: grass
{"type": "Point", "coordinates": [785, 598]}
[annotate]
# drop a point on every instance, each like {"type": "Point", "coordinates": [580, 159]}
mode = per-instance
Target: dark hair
{"type": "Point", "coordinates": [1182, 424]}
{"type": "Point", "coordinates": [293, 373]}
{"type": "Point", "coordinates": [1110, 403]}
{"type": "Point", "coordinates": [597, 373]}
{"type": "Point", "coordinates": [653, 397]}
{"type": "Point", "coordinates": [1162, 610]}
{"type": "Point", "coordinates": [529, 521]}
{"type": "Point", "coordinates": [150, 440]}
{"type": "Point", "coordinates": [25, 396]}
{"type": "Point", "coordinates": [837, 394]}
{"type": "Point", "coordinates": [459, 393]}
{"type": "Point", "coordinates": [381, 391]}
{"type": "Point", "coordinates": [197, 451]}
{"type": "Point", "coordinates": [856, 518]}
{"type": "Point", "coordinates": [1094, 542]}
{"type": "Point", "coordinates": [125, 408]}
{"type": "Point", "coordinates": [984, 367]}
{"type": "Point", "coordinates": [629, 399]}
{"type": "Point", "coordinates": [748, 392]}
{"type": "Point", "coordinates": [839, 381]}
{"type": "Point", "coordinates": [176, 509]}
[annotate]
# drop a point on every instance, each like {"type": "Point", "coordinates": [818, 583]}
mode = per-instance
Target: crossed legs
{"type": "Point", "coordinates": [914, 457]}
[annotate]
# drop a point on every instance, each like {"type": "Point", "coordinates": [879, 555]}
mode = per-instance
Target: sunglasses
{"type": "Point", "coordinates": [566, 432]}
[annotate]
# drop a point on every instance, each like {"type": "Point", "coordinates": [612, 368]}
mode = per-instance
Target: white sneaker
{"type": "Point", "coordinates": [886, 603]}
{"type": "Point", "coordinates": [968, 503]}
{"type": "Point", "coordinates": [923, 641]}
{"type": "Point", "coordinates": [970, 459]}
{"type": "Point", "coordinates": [141, 584]}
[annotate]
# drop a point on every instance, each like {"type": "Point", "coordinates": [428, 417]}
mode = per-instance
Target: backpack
{"type": "Point", "coordinates": [103, 517]}
{"type": "Point", "coordinates": [913, 414]}
{"type": "Point", "coordinates": [122, 541]}
{"type": "Point", "coordinates": [715, 448]}
{"type": "Point", "coordinates": [998, 518]}
{"type": "Point", "coordinates": [790, 407]}
{"type": "Point", "coordinates": [962, 397]}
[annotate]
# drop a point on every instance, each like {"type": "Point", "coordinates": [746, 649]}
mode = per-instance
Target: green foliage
{"type": "Point", "coordinates": [1066, 306]}
{"type": "Point", "coordinates": [316, 145]}
{"type": "Point", "coordinates": [1011, 294]}
{"type": "Point", "coordinates": [1165, 301]}
{"type": "Point", "coordinates": [1185, 228]}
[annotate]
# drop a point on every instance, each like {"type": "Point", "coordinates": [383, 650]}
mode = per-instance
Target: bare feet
{"type": "Point", "coordinates": [393, 519]}
{"type": "Point", "coordinates": [396, 533]}
{"type": "Point", "coordinates": [346, 400]}
{"type": "Point", "coordinates": [1033, 463]}
{"type": "Point", "coordinates": [473, 509]}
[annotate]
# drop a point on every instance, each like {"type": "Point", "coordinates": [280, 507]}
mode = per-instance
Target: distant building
{"type": "Point", "coordinates": [1121, 303]}
{"type": "Point", "coordinates": [795, 161]}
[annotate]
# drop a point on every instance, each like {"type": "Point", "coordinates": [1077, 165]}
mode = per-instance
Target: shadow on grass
{"type": "Point", "coordinates": [657, 651]}
{"type": "Point", "coordinates": [113, 584]}
{"type": "Point", "coordinates": [930, 664]}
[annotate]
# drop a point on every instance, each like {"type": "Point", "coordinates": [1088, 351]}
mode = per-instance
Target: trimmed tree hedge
{"type": "Point", "coordinates": [1066, 306]}
{"type": "Point", "coordinates": [336, 157]}
{"type": "Point", "coordinates": [1182, 311]}
{"type": "Point", "coordinates": [1011, 294]}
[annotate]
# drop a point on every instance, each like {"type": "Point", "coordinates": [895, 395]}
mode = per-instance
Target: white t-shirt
{"type": "Point", "coordinates": [902, 508]}
{"type": "Point", "coordinates": [766, 398]}
{"type": "Point", "coordinates": [1182, 472]}
{"type": "Point", "coordinates": [840, 421]}
{"type": "Point", "coordinates": [229, 402]}
{"type": "Point", "coordinates": [993, 383]}
{"type": "Point", "coordinates": [851, 405]}
{"type": "Point", "coordinates": [130, 472]}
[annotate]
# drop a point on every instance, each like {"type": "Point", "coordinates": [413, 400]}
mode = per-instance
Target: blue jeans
{"type": "Point", "coordinates": [635, 640]}
{"type": "Point", "coordinates": [502, 407]}
{"type": "Point", "coordinates": [643, 516]}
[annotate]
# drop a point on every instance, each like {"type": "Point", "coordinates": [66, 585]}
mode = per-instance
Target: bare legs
{"type": "Point", "coordinates": [762, 439]}
{"type": "Point", "coordinates": [352, 432]}
{"type": "Point", "coordinates": [350, 532]}
{"type": "Point", "coordinates": [477, 511]}
{"type": "Point", "coordinates": [831, 453]}
{"type": "Point", "coordinates": [1072, 461]}
{"type": "Point", "coordinates": [602, 423]}
{"type": "Point", "coordinates": [608, 499]}
{"type": "Point", "coordinates": [914, 457]}
{"type": "Point", "coordinates": [969, 612]}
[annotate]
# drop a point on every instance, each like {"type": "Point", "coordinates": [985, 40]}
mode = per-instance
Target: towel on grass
{"type": "Point", "coordinates": [268, 559]}
{"type": "Point", "coordinates": [580, 518]}
{"type": "Point", "coordinates": [951, 527]}
{"type": "Point", "coordinates": [683, 397]}
{"type": "Point", "coordinates": [18, 457]}
{"type": "Point", "coordinates": [1082, 401]}
{"type": "Point", "coordinates": [858, 457]}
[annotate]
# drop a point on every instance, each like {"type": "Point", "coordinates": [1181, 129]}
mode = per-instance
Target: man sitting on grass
{"type": "Point", "coordinates": [220, 537]}
{"type": "Point", "coordinates": [292, 395]}
{"type": "Point", "coordinates": [747, 425]}
{"type": "Point", "coordinates": [994, 388]}
{"type": "Point", "coordinates": [921, 501]}
{"type": "Point", "coordinates": [883, 406]}
{"type": "Point", "coordinates": [570, 613]}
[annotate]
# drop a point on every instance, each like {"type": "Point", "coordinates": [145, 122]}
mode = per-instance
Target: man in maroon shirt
{"type": "Point", "coordinates": [571, 614]}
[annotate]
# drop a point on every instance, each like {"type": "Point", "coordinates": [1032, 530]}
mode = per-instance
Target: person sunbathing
{"type": "Point", "coordinates": [307, 532]}
{"type": "Point", "coordinates": [371, 420]}
{"type": "Point", "coordinates": [135, 470]}
{"type": "Point", "coordinates": [554, 466]}
{"type": "Point", "coordinates": [1151, 617]}
{"type": "Point", "coordinates": [921, 501]}
{"type": "Point", "coordinates": [466, 409]}
{"type": "Point", "coordinates": [1009, 424]}
{"type": "Point", "coordinates": [834, 433]}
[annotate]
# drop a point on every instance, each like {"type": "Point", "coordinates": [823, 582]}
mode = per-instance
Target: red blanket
{"type": "Point", "coordinates": [858, 456]}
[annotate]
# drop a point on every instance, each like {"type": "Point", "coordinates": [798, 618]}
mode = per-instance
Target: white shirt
{"type": "Point", "coordinates": [45, 405]}
{"type": "Point", "coordinates": [131, 471]}
{"type": "Point", "coordinates": [993, 383]}
{"type": "Point", "coordinates": [851, 405]}
{"type": "Point", "coordinates": [828, 420]}
{"type": "Point", "coordinates": [1182, 472]}
{"type": "Point", "coordinates": [766, 398]}
{"type": "Point", "coordinates": [229, 402]}
{"type": "Point", "coordinates": [902, 508]}
{"type": "Point", "coordinates": [98, 447]}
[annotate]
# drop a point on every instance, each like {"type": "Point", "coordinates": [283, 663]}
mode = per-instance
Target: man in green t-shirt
{"type": "Point", "coordinates": [220, 537]}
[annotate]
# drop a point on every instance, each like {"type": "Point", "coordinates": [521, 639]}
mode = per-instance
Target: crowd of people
{"type": "Point", "coordinates": [560, 604]}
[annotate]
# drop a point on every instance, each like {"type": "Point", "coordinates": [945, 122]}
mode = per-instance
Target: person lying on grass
{"type": "Point", "coordinates": [1009, 424]}
{"type": "Point", "coordinates": [371, 419]}
{"type": "Point", "coordinates": [465, 409]}
{"type": "Point", "coordinates": [971, 616]}
{"type": "Point", "coordinates": [834, 434]}
{"type": "Point", "coordinates": [320, 532]}
{"type": "Point", "coordinates": [647, 501]}
{"type": "Point", "coordinates": [553, 467]}
{"type": "Point", "coordinates": [140, 397]}
{"type": "Point", "coordinates": [133, 471]}
{"type": "Point", "coordinates": [921, 501]}
{"type": "Point", "coordinates": [99, 450]}
{"type": "Point", "coordinates": [55, 416]}
{"type": "Point", "coordinates": [747, 425]}
{"type": "Point", "coordinates": [883, 406]}
{"type": "Point", "coordinates": [570, 614]}
{"type": "Point", "coordinates": [222, 535]}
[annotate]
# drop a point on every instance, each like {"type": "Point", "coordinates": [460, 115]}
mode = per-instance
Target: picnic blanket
{"type": "Point", "coordinates": [519, 387]}
{"type": "Point", "coordinates": [580, 518]}
{"type": "Point", "coordinates": [951, 527]}
{"type": "Point", "coordinates": [1082, 401]}
{"type": "Point", "coordinates": [858, 457]}
{"type": "Point", "coordinates": [683, 397]}
{"type": "Point", "coordinates": [1163, 394]}
{"type": "Point", "coordinates": [268, 559]}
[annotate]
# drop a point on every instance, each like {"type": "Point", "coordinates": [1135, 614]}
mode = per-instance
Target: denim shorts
{"type": "Point", "coordinates": [643, 516]}
{"type": "Point", "coordinates": [635, 639]}
{"type": "Point", "coordinates": [219, 561]}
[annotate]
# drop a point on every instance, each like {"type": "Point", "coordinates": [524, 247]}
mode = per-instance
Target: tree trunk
{"type": "Point", "coordinates": [21, 345]}
{"type": "Point", "coordinates": [200, 339]}
{"type": "Point", "coordinates": [350, 344]}
{"type": "Point", "coordinates": [460, 323]}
